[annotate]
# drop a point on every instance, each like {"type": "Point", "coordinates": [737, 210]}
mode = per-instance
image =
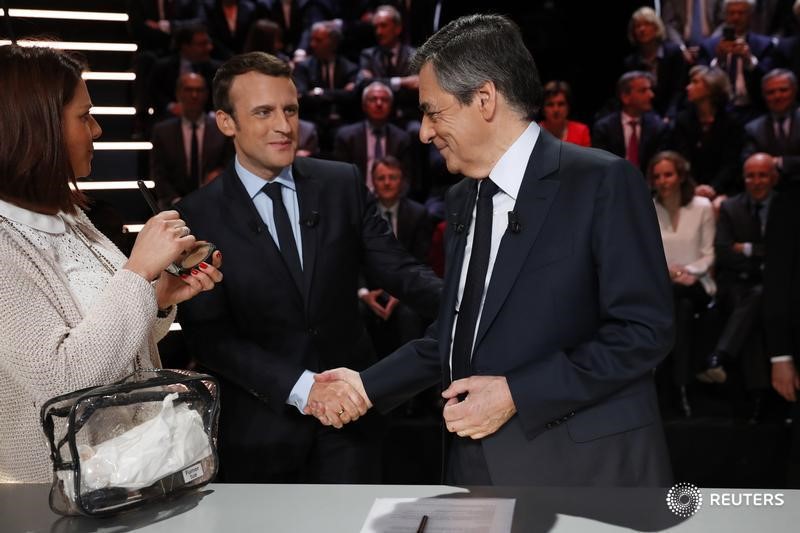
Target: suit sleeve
{"type": "Point", "coordinates": [723, 241]}
{"type": "Point", "coordinates": [159, 170]}
{"type": "Point", "coordinates": [634, 307]}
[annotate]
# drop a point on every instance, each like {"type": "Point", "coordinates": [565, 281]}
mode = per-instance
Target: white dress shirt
{"type": "Point", "coordinates": [507, 174]}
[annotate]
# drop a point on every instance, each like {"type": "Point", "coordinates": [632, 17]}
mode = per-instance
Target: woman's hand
{"type": "Point", "coordinates": [163, 239]}
{"type": "Point", "coordinates": [171, 290]}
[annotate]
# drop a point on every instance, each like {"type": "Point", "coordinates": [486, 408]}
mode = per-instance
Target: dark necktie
{"type": "Point", "coordinates": [194, 156]}
{"type": "Point", "coordinates": [780, 135]}
{"type": "Point", "coordinates": [468, 311]}
{"type": "Point", "coordinates": [387, 62]}
{"type": "Point", "coordinates": [633, 144]}
{"type": "Point", "coordinates": [388, 215]}
{"type": "Point", "coordinates": [378, 151]}
{"type": "Point", "coordinates": [283, 227]}
{"type": "Point", "coordinates": [757, 207]}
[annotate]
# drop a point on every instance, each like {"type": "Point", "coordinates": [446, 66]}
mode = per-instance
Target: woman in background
{"type": "Point", "coordinates": [687, 231]}
{"type": "Point", "coordinates": [74, 312]}
{"type": "Point", "coordinates": [557, 100]}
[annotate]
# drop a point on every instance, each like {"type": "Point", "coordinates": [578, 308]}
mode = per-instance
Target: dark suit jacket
{"type": "Point", "coordinates": [226, 43]}
{"type": "Point", "coordinates": [350, 145]}
{"type": "Point", "coordinates": [168, 158]}
{"type": "Point", "coordinates": [258, 332]}
{"type": "Point", "coordinates": [713, 154]}
{"type": "Point", "coordinates": [164, 76]}
{"type": "Point", "coordinates": [372, 68]}
{"type": "Point", "coordinates": [737, 224]}
{"type": "Point", "coordinates": [178, 12]}
{"type": "Point", "coordinates": [414, 228]}
{"type": "Point", "coordinates": [787, 54]}
{"type": "Point", "coordinates": [759, 136]}
{"type": "Point", "coordinates": [304, 14]}
{"type": "Point", "coordinates": [577, 314]}
{"type": "Point", "coordinates": [608, 134]}
{"type": "Point", "coordinates": [307, 75]}
{"type": "Point", "coordinates": [671, 73]}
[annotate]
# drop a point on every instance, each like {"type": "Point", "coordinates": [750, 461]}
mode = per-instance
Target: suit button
{"type": "Point", "coordinates": [549, 425]}
{"type": "Point", "coordinates": [571, 414]}
{"type": "Point", "coordinates": [313, 332]}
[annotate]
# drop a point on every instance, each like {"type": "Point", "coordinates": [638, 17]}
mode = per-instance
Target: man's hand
{"type": "Point", "coordinates": [785, 380]}
{"type": "Point", "coordinates": [371, 299]}
{"type": "Point", "coordinates": [335, 402]}
{"type": "Point", "coordinates": [486, 408]}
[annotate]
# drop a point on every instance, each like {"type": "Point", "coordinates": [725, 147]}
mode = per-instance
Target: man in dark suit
{"type": "Point", "coordinates": [188, 151]}
{"type": "Point", "coordinates": [635, 132]}
{"type": "Point", "coordinates": [193, 55]}
{"type": "Point", "coordinates": [778, 131]}
{"type": "Point", "coordinates": [781, 315]}
{"type": "Point", "coordinates": [743, 54]}
{"type": "Point", "coordinates": [228, 24]}
{"type": "Point", "coordinates": [391, 323]}
{"type": "Point", "coordinates": [556, 305]}
{"type": "Point", "coordinates": [739, 249]}
{"type": "Point", "coordinates": [363, 142]}
{"type": "Point", "coordinates": [295, 233]}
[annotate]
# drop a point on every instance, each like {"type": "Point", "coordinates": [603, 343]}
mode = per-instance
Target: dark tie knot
{"type": "Point", "coordinates": [273, 190]}
{"type": "Point", "coordinates": [377, 132]}
{"type": "Point", "coordinates": [633, 123]}
{"type": "Point", "coordinates": [487, 188]}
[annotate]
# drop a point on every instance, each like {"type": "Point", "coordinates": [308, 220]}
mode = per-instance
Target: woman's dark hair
{"type": "Point", "coordinates": [681, 169]}
{"type": "Point", "coordinates": [555, 87]}
{"type": "Point", "coordinates": [35, 85]}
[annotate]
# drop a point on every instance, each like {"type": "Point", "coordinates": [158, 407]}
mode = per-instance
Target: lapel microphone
{"type": "Point", "coordinates": [311, 220]}
{"type": "Point", "coordinates": [456, 223]}
{"type": "Point", "coordinates": [514, 225]}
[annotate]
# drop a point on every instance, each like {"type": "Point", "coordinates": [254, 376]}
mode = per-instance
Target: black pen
{"type": "Point", "coordinates": [422, 524]}
{"type": "Point", "coordinates": [148, 197]}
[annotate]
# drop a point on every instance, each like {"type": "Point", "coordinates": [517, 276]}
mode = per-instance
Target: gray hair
{"type": "Point", "coordinates": [779, 73]}
{"type": "Point", "coordinates": [332, 27]}
{"type": "Point", "coordinates": [392, 11]}
{"type": "Point", "coordinates": [647, 14]}
{"type": "Point", "coordinates": [626, 80]}
{"type": "Point", "coordinates": [376, 85]}
{"type": "Point", "coordinates": [475, 49]}
{"type": "Point", "coordinates": [751, 3]}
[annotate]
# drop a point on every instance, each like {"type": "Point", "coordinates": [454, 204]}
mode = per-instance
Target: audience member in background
{"type": "Point", "coordinates": [787, 52]}
{"type": "Point", "coordinates": [391, 323]}
{"type": "Point", "coordinates": [743, 54]}
{"type": "Point", "coordinates": [193, 54]}
{"type": "Point", "coordinates": [778, 131]}
{"type": "Point", "coordinates": [188, 151]}
{"type": "Point", "coordinates": [740, 251]}
{"type": "Point", "coordinates": [265, 36]}
{"type": "Point", "coordinates": [690, 22]}
{"type": "Point", "coordinates": [555, 111]}
{"type": "Point", "coordinates": [295, 18]}
{"type": "Point", "coordinates": [364, 142]}
{"type": "Point", "coordinates": [153, 22]}
{"type": "Point", "coordinates": [662, 59]}
{"type": "Point", "coordinates": [635, 132]}
{"type": "Point", "coordinates": [74, 312]}
{"type": "Point", "coordinates": [687, 231]}
{"type": "Point", "coordinates": [781, 315]}
{"type": "Point", "coordinates": [229, 22]}
{"type": "Point", "coordinates": [325, 82]}
{"type": "Point", "coordinates": [707, 136]}
{"type": "Point", "coordinates": [389, 62]}
{"type": "Point", "coordinates": [307, 140]}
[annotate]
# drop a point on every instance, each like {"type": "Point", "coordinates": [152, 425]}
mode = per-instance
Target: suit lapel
{"type": "Point", "coordinates": [533, 203]}
{"type": "Point", "coordinates": [308, 201]}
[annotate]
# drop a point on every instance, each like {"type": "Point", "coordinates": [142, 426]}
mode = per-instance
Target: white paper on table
{"type": "Point", "coordinates": [445, 515]}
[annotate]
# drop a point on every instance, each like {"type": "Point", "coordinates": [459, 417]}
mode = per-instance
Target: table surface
{"type": "Point", "coordinates": [230, 508]}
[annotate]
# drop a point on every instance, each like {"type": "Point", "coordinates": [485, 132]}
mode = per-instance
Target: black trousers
{"type": "Point", "coordinates": [690, 335]}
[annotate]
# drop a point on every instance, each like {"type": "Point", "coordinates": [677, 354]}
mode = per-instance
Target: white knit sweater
{"type": "Point", "coordinates": [48, 346]}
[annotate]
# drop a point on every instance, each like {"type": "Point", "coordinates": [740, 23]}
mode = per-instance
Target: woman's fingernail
{"type": "Point", "coordinates": [184, 276]}
{"type": "Point", "coordinates": [203, 265]}
{"type": "Point", "coordinates": [195, 272]}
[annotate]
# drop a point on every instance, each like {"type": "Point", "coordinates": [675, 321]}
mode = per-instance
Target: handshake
{"type": "Point", "coordinates": [338, 397]}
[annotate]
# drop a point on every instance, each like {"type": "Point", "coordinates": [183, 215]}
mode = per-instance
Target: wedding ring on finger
{"type": "Point", "coordinates": [184, 231]}
{"type": "Point", "coordinates": [341, 412]}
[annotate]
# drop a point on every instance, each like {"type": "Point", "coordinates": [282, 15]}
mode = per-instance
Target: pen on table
{"type": "Point", "coordinates": [422, 524]}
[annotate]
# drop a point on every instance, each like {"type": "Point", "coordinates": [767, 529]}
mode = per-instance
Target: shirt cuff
{"type": "Point", "coordinates": [747, 249]}
{"type": "Point", "coordinates": [299, 395]}
{"type": "Point", "coordinates": [780, 358]}
{"type": "Point", "coordinates": [394, 83]}
{"type": "Point", "coordinates": [363, 291]}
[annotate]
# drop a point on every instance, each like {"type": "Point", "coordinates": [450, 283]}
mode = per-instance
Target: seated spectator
{"type": "Point", "coordinates": [743, 54]}
{"type": "Point", "coordinates": [707, 136]}
{"type": "Point", "coordinates": [663, 60]}
{"type": "Point", "coordinates": [689, 23]}
{"type": "Point", "coordinates": [295, 18]}
{"type": "Point", "coordinates": [188, 151]}
{"type": "Point", "coordinates": [153, 22]}
{"type": "Point", "coordinates": [635, 132]}
{"type": "Point", "coordinates": [739, 251]}
{"type": "Point", "coordinates": [364, 142]}
{"type": "Point", "coordinates": [307, 140]}
{"type": "Point", "coordinates": [557, 101]}
{"type": "Point", "coordinates": [778, 131]}
{"type": "Point", "coordinates": [193, 54]}
{"type": "Point", "coordinates": [391, 323]}
{"type": "Point", "coordinates": [389, 63]}
{"type": "Point", "coordinates": [265, 36]}
{"type": "Point", "coordinates": [229, 22]}
{"type": "Point", "coordinates": [326, 82]}
{"type": "Point", "coordinates": [787, 51]}
{"type": "Point", "coordinates": [687, 231]}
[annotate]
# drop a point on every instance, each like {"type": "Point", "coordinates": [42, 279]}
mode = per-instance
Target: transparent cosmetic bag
{"type": "Point", "coordinates": [142, 439]}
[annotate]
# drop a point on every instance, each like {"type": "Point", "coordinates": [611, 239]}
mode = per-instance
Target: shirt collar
{"type": "Point", "coordinates": [510, 168]}
{"type": "Point", "coordinates": [188, 123]}
{"type": "Point", "coordinates": [54, 224]}
{"type": "Point", "coordinates": [253, 184]}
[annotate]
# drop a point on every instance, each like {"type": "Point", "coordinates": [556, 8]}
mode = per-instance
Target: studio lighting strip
{"type": "Point", "coordinates": [64, 15]}
{"type": "Point", "coordinates": [67, 45]}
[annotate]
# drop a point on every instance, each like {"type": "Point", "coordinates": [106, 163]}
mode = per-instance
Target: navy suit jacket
{"type": "Point", "coordinates": [759, 136]}
{"type": "Point", "coordinates": [257, 331]}
{"type": "Point", "coordinates": [577, 314]}
{"type": "Point", "coordinates": [608, 135]}
{"type": "Point", "coordinates": [350, 145]}
{"type": "Point", "coordinates": [737, 224]}
{"type": "Point", "coordinates": [226, 43]}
